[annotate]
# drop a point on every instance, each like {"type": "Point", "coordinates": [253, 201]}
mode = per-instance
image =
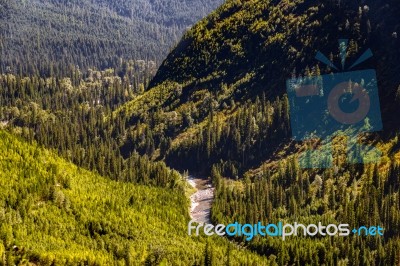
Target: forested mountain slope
{"type": "Point", "coordinates": [248, 49]}
{"type": "Point", "coordinates": [54, 213]}
{"type": "Point", "coordinates": [49, 36]}
{"type": "Point", "coordinates": [274, 39]}
{"type": "Point", "coordinates": [218, 106]}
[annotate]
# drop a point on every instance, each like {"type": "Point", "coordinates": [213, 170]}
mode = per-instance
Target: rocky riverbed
{"type": "Point", "coordinates": [201, 200]}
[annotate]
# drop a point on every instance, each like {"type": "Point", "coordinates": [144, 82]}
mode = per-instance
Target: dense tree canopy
{"type": "Point", "coordinates": [216, 107]}
{"type": "Point", "coordinates": [47, 37]}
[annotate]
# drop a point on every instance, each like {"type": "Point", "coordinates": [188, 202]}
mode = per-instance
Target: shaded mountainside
{"type": "Point", "coordinates": [248, 49]}
{"type": "Point", "coordinates": [275, 39]}
{"type": "Point", "coordinates": [45, 36]}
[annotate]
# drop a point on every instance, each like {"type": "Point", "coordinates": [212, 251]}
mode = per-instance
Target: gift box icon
{"type": "Point", "coordinates": [345, 103]}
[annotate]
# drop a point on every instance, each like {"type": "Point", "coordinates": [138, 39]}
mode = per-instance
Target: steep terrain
{"type": "Point", "coordinates": [218, 106]}
{"type": "Point", "coordinates": [248, 49]}
{"type": "Point", "coordinates": [54, 213]}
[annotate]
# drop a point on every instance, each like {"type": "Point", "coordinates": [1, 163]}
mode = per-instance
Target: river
{"type": "Point", "coordinates": [201, 200]}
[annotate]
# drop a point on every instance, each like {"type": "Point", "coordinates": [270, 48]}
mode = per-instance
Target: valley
{"type": "Point", "coordinates": [103, 104]}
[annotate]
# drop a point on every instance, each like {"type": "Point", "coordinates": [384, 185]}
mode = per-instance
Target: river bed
{"type": "Point", "coordinates": [201, 200]}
